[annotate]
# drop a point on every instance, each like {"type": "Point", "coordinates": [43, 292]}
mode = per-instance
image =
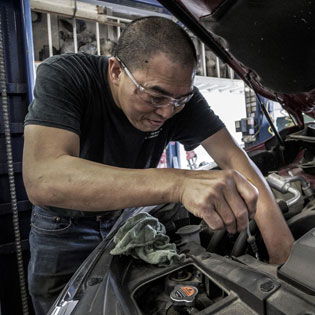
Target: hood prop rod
{"type": "Point", "coordinates": [271, 124]}
{"type": "Point", "coordinates": [264, 110]}
{"type": "Point", "coordinates": [273, 127]}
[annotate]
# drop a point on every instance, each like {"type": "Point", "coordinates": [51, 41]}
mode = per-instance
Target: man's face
{"type": "Point", "coordinates": [162, 76]}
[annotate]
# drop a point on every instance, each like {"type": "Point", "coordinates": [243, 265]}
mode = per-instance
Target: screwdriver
{"type": "Point", "coordinates": [251, 238]}
{"type": "Point", "coordinates": [252, 242]}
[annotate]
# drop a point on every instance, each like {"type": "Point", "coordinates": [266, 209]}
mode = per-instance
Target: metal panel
{"type": "Point", "coordinates": [89, 10]}
{"type": "Point", "coordinates": [49, 35]}
{"type": "Point", "coordinates": [97, 28]}
{"type": "Point", "coordinates": [151, 2]}
{"type": "Point", "coordinates": [19, 69]}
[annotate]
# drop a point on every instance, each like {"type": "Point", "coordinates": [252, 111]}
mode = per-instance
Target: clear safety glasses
{"type": "Point", "coordinates": [155, 98]}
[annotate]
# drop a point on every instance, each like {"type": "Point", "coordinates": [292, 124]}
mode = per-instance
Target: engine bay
{"type": "Point", "coordinates": [222, 273]}
{"type": "Point", "coordinates": [212, 279]}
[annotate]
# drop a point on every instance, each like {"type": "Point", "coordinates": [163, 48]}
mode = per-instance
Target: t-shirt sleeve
{"type": "Point", "coordinates": [58, 97]}
{"type": "Point", "coordinates": [196, 122]}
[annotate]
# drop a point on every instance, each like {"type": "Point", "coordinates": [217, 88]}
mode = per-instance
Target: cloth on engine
{"type": "Point", "coordinates": [143, 237]}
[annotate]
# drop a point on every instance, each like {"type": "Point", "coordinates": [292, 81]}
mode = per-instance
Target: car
{"type": "Point", "coordinates": [270, 45]}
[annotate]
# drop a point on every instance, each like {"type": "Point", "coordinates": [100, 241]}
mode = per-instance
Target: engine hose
{"type": "Point", "coordinates": [15, 216]}
{"type": "Point", "coordinates": [215, 241]}
{"type": "Point", "coordinates": [241, 241]}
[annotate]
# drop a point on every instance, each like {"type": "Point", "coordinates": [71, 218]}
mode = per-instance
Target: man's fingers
{"type": "Point", "coordinates": [213, 219]}
{"type": "Point", "coordinates": [238, 207]}
{"type": "Point", "coordinates": [248, 192]}
{"type": "Point", "coordinates": [228, 217]}
{"type": "Point", "coordinates": [222, 199]}
{"type": "Point", "coordinates": [220, 215]}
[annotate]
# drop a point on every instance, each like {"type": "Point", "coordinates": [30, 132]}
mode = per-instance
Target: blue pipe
{"type": "Point", "coordinates": [28, 46]}
{"type": "Point", "coordinates": [151, 2]}
{"type": "Point", "coordinates": [125, 2]}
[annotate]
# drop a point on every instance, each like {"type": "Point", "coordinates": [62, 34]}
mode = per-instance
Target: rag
{"type": "Point", "coordinates": [143, 237]}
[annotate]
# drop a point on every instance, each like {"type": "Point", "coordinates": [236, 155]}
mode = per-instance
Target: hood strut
{"type": "Point", "coordinates": [273, 127]}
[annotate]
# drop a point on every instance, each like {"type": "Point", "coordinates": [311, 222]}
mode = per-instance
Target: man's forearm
{"type": "Point", "coordinates": [75, 183]}
{"type": "Point", "coordinates": [275, 232]}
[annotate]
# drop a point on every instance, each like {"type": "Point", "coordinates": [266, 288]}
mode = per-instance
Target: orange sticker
{"type": "Point", "coordinates": [188, 290]}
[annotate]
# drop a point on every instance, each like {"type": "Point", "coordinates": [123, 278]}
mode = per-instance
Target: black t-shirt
{"type": "Point", "coordinates": [72, 93]}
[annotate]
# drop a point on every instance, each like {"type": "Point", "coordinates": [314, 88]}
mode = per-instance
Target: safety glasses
{"type": "Point", "coordinates": [154, 98]}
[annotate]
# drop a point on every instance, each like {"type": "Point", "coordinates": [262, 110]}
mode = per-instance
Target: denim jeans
{"type": "Point", "coordinates": [58, 247]}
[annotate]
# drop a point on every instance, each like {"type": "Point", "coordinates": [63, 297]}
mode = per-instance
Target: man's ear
{"type": "Point", "coordinates": [114, 70]}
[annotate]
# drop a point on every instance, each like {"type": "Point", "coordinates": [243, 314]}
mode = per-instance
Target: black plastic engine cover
{"type": "Point", "coordinates": [299, 269]}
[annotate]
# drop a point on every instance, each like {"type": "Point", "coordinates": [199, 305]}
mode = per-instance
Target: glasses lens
{"type": "Point", "coordinates": [159, 100]}
{"type": "Point", "coordinates": [182, 101]}
{"type": "Point", "coordinates": [154, 98]}
{"type": "Point", "coordinates": [186, 99]}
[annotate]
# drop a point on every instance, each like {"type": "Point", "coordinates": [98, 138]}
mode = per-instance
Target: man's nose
{"type": "Point", "coordinates": [165, 111]}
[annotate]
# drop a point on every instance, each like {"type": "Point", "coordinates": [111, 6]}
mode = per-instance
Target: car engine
{"type": "Point", "coordinates": [196, 288]}
{"type": "Point", "coordinates": [222, 273]}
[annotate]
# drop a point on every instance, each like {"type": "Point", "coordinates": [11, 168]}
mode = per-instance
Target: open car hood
{"type": "Point", "coordinates": [269, 44]}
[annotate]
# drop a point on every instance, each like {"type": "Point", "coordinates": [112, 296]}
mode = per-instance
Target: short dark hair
{"type": "Point", "coordinates": [151, 35]}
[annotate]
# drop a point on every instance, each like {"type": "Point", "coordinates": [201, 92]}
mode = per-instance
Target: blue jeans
{"type": "Point", "coordinates": [58, 247]}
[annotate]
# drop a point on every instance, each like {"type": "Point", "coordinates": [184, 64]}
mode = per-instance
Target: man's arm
{"type": "Point", "coordinates": [275, 232]}
{"type": "Point", "coordinates": [54, 175]}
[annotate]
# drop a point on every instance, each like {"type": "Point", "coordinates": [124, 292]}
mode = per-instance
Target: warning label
{"type": "Point", "coordinates": [189, 291]}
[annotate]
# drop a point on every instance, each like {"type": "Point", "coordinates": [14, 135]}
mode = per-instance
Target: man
{"type": "Point", "coordinates": [95, 133]}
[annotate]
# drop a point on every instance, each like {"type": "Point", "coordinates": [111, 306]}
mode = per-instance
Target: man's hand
{"type": "Point", "coordinates": [221, 198]}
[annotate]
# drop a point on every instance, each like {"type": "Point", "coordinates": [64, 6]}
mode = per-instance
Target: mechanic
{"type": "Point", "coordinates": [94, 135]}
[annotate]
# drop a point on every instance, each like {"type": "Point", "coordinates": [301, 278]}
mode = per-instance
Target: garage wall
{"type": "Point", "coordinates": [229, 107]}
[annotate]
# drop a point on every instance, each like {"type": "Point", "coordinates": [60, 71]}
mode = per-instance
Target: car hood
{"type": "Point", "coordinates": [269, 44]}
